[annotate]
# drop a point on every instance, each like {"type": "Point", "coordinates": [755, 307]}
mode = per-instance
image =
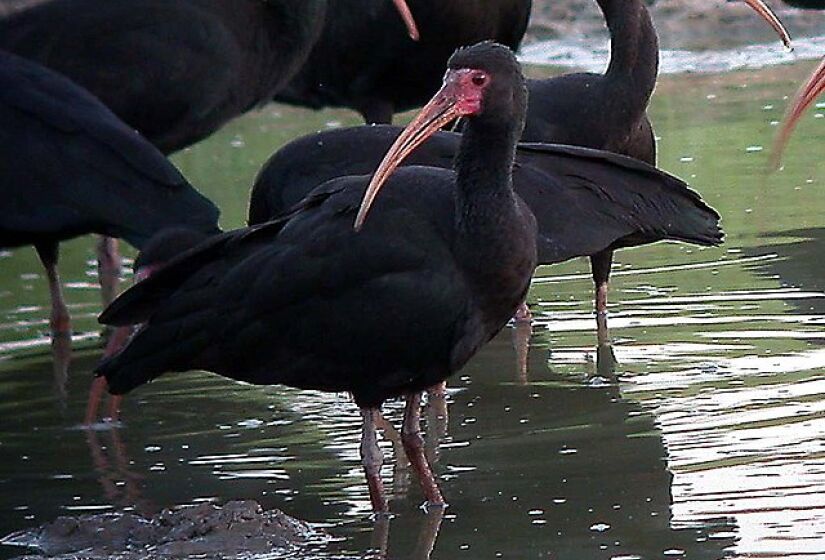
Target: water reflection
{"type": "Point", "coordinates": [572, 467]}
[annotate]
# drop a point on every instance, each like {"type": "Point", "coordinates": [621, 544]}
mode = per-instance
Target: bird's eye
{"type": "Point", "coordinates": [479, 78]}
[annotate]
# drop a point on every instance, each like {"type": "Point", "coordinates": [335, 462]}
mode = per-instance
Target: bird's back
{"type": "Point", "coordinates": [175, 71]}
{"type": "Point", "coordinates": [70, 166]}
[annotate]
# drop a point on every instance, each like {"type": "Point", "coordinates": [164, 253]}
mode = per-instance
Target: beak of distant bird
{"type": "Point", "coordinates": [409, 21]}
{"type": "Point", "coordinates": [767, 14]}
{"type": "Point", "coordinates": [803, 99]}
{"type": "Point", "coordinates": [460, 95]}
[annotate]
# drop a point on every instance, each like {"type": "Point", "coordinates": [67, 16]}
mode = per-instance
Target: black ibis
{"type": "Point", "coordinates": [363, 60]}
{"type": "Point", "coordinates": [609, 111]}
{"type": "Point", "coordinates": [71, 167]}
{"type": "Point", "coordinates": [438, 268]}
{"type": "Point", "coordinates": [585, 200]}
{"type": "Point", "coordinates": [175, 71]}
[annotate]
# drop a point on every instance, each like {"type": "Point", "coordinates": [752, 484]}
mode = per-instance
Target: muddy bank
{"type": "Point", "coordinates": [206, 531]}
{"type": "Point", "coordinates": [682, 24]}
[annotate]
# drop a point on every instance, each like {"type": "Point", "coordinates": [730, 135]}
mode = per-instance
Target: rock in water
{"type": "Point", "coordinates": [205, 530]}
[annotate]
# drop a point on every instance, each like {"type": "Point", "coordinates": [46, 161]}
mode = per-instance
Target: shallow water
{"type": "Point", "coordinates": [707, 443]}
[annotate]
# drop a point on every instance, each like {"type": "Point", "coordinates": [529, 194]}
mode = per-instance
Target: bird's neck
{"type": "Point", "coordinates": [484, 174]}
{"type": "Point", "coordinates": [495, 233]}
{"type": "Point", "coordinates": [634, 53]}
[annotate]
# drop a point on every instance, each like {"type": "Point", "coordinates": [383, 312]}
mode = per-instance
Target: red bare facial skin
{"type": "Point", "coordinates": [468, 87]}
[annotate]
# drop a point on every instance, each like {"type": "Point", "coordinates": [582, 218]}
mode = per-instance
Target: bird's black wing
{"type": "Point", "coordinates": [585, 200]}
{"type": "Point", "coordinates": [70, 166]}
{"type": "Point", "coordinates": [588, 200]}
{"type": "Point", "coordinates": [311, 303]}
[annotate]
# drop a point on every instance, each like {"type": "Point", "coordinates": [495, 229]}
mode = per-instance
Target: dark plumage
{"type": "Point", "coordinates": [604, 111]}
{"type": "Point", "coordinates": [364, 60]}
{"type": "Point", "coordinates": [71, 167]}
{"type": "Point", "coordinates": [175, 71]}
{"type": "Point", "coordinates": [438, 268]}
{"type": "Point", "coordinates": [584, 200]}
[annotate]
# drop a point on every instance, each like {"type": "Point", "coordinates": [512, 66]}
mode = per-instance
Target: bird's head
{"type": "Point", "coordinates": [483, 83]}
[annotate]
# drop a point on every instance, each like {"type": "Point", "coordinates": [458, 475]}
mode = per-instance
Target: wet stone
{"type": "Point", "coordinates": [204, 530]}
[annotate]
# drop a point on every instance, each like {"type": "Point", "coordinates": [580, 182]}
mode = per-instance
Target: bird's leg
{"type": "Point", "coordinates": [93, 404]}
{"type": "Point", "coordinates": [372, 459]}
{"type": "Point", "coordinates": [414, 446]}
{"type": "Point", "coordinates": [114, 407]}
{"type": "Point", "coordinates": [401, 467]}
{"type": "Point", "coordinates": [437, 419]}
{"type": "Point", "coordinates": [523, 314]}
{"type": "Point", "coordinates": [605, 359]}
{"type": "Point", "coordinates": [62, 357]}
{"type": "Point", "coordinates": [522, 331]}
{"type": "Point", "coordinates": [60, 322]}
{"type": "Point", "coordinates": [600, 264]}
{"type": "Point", "coordinates": [108, 268]}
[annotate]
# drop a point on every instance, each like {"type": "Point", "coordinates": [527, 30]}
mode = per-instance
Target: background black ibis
{"type": "Point", "coordinates": [439, 267]}
{"type": "Point", "coordinates": [71, 167]}
{"type": "Point", "coordinates": [609, 111]}
{"type": "Point", "coordinates": [585, 201]}
{"type": "Point", "coordinates": [365, 61]}
{"type": "Point", "coordinates": [175, 71]}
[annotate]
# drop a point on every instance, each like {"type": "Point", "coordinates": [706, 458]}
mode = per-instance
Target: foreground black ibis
{"type": "Point", "coordinates": [439, 267]}
{"type": "Point", "coordinates": [71, 167]}
{"type": "Point", "coordinates": [363, 60]}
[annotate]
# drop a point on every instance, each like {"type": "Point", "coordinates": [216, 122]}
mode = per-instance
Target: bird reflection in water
{"type": "Point", "coordinates": [121, 485]}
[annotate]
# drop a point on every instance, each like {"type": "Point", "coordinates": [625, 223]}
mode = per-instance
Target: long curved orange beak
{"type": "Point", "coordinates": [444, 107]}
{"type": "Point", "coordinates": [803, 99]}
{"type": "Point", "coordinates": [768, 15]}
{"type": "Point", "coordinates": [409, 21]}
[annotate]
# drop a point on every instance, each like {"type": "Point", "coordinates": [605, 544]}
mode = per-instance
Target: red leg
{"type": "Point", "coordinates": [60, 321]}
{"type": "Point", "coordinates": [114, 407]}
{"type": "Point", "coordinates": [93, 404]}
{"type": "Point", "coordinates": [108, 268]}
{"type": "Point", "coordinates": [523, 314]}
{"type": "Point", "coordinates": [600, 264]}
{"type": "Point", "coordinates": [414, 446]}
{"type": "Point", "coordinates": [372, 459]}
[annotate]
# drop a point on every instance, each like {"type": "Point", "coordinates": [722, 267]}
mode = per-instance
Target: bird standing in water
{"type": "Point", "coordinates": [438, 269]}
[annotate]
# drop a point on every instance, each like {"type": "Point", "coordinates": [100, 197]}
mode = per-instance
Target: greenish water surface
{"type": "Point", "coordinates": [708, 442]}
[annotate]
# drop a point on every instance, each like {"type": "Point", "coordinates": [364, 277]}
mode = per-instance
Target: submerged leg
{"type": "Point", "coordinates": [414, 446]}
{"type": "Point", "coordinates": [523, 314]}
{"type": "Point", "coordinates": [108, 268]}
{"type": "Point", "coordinates": [60, 321]}
{"type": "Point", "coordinates": [372, 459]}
